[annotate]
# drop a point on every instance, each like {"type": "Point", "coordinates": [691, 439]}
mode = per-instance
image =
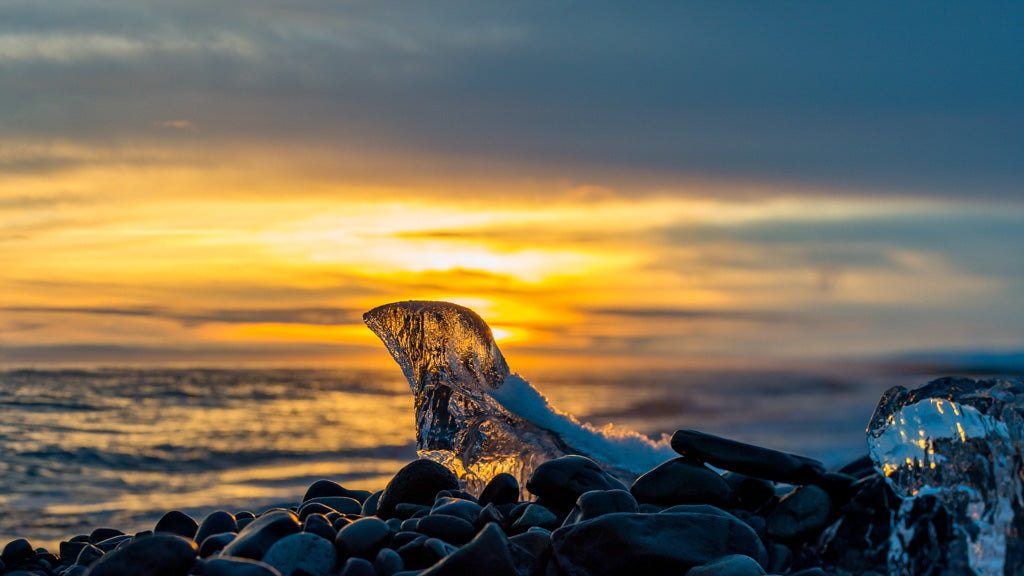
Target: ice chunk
{"type": "Point", "coordinates": [959, 442]}
{"type": "Point", "coordinates": [476, 417]}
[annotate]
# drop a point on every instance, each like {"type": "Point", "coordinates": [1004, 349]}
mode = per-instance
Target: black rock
{"type": "Point", "coordinates": [319, 524]}
{"type": "Point", "coordinates": [465, 509]}
{"type": "Point", "coordinates": [388, 562]}
{"type": "Point", "coordinates": [112, 542]}
{"type": "Point", "coordinates": [157, 555]}
{"type": "Point", "coordinates": [328, 488]}
{"type": "Point", "coordinates": [490, 513]}
{"type": "Point", "coordinates": [860, 468]}
{"type": "Point", "coordinates": [405, 510]}
{"type": "Point", "coordinates": [451, 529]}
{"type": "Point", "coordinates": [560, 482]}
{"type": "Point", "coordinates": [731, 565]}
{"type": "Point", "coordinates": [237, 567]}
{"type": "Point", "coordinates": [357, 567]}
{"type": "Point", "coordinates": [859, 539]}
{"type": "Point", "coordinates": [422, 552]}
{"type": "Point", "coordinates": [17, 551]}
{"type": "Point", "coordinates": [341, 504]}
{"type": "Point", "coordinates": [69, 550]}
{"type": "Point", "coordinates": [87, 555]}
{"type": "Point", "coordinates": [416, 483]}
{"type": "Point", "coordinates": [502, 489]}
{"type": "Point", "coordinates": [101, 534]}
{"type": "Point", "coordinates": [535, 515]}
{"type": "Point", "coordinates": [681, 481]}
{"type": "Point", "coordinates": [177, 522]}
{"type": "Point", "coordinates": [747, 458]}
{"type": "Point", "coordinates": [215, 543]}
{"type": "Point", "coordinates": [362, 538]}
{"type": "Point", "coordinates": [665, 543]}
{"type": "Point", "coordinates": [302, 553]}
{"type": "Point", "coordinates": [259, 535]}
{"type": "Point", "coordinates": [748, 492]}
{"type": "Point", "coordinates": [314, 508]}
{"type": "Point", "coordinates": [370, 505]}
{"type": "Point", "coordinates": [215, 523]}
{"type": "Point", "coordinates": [486, 554]}
{"type": "Point", "coordinates": [802, 513]}
{"type": "Point", "coordinates": [400, 539]}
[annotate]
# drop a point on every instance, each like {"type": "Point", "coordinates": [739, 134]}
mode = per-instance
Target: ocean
{"type": "Point", "coordinates": [119, 447]}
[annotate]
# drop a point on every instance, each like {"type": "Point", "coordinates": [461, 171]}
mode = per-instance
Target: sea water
{"type": "Point", "coordinates": [119, 447]}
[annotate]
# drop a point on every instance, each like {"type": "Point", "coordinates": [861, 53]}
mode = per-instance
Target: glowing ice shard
{"type": "Point", "coordinates": [958, 441]}
{"type": "Point", "coordinates": [476, 417]}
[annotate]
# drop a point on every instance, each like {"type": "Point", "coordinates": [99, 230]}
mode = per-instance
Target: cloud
{"type": "Point", "coordinates": [683, 314]}
{"type": "Point", "coordinates": [314, 316]}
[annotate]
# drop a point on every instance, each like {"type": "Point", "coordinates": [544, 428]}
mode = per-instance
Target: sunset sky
{"type": "Point", "coordinates": [235, 182]}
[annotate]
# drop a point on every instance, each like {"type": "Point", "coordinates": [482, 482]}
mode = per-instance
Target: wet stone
{"type": "Point", "coordinates": [88, 555]}
{"type": "Point", "coordinates": [748, 492]}
{"type": "Point", "coordinates": [258, 536]}
{"type": "Point", "coordinates": [746, 458]}
{"type": "Point", "coordinates": [215, 543]}
{"type": "Point", "coordinates": [468, 511]}
{"type": "Point", "coordinates": [70, 549]}
{"type": "Point", "coordinates": [362, 538]}
{"type": "Point", "coordinates": [502, 489]}
{"type": "Point", "coordinates": [306, 552]}
{"type": "Point", "coordinates": [732, 565]}
{"type": "Point", "coordinates": [370, 504]}
{"type": "Point", "coordinates": [341, 504]}
{"type": "Point", "coordinates": [561, 481]}
{"type": "Point", "coordinates": [177, 522]}
{"type": "Point", "coordinates": [101, 534]}
{"type": "Point", "coordinates": [357, 567]}
{"type": "Point", "coordinates": [322, 488]}
{"type": "Point", "coordinates": [319, 524]}
{"type": "Point", "coordinates": [156, 555]}
{"type": "Point", "coordinates": [215, 523]}
{"type": "Point", "coordinates": [448, 528]}
{"type": "Point", "coordinates": [599, 502]}
{"type": "Point", "coordinates": [534, 515]}
{"type": "Point", "coordinates": [681, 481]}
{"type": "Point", "coordinates": [801, 514]}
{"type": "Point", "coordinates": [112, 542]}
{"type": "Point", "coordinates": [486, 554]}
{"type": "Point", "coordinates": [388, 562]}
{"type": "Point", "coordinates": [669, 542]}
{"type": "Point", "coordinates": [17, 551]}
{"type": "Point", "coordinates": [416, 483]}
{"type": "Point", "coordinates": [237, 567]}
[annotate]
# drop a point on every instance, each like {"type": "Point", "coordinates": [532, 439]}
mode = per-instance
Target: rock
{"type": "Point", "coordinates": [313, 508]}
{"type": "Point", "coordinates": [448, 528]}
{"type": "Point", "coordinates": [101, 534]}
{"type": "Point", "coordinates": [860, 468]}
{"type": "Point", "coordinates": [307, 552]}
{"type": "Point", "coordinates": [88, 555]}
{"type": "Point", "coordinates": [502, 489]}
{"type": "Point", "coordinates": [112, 542]}
{"type": "Point", "coordinates": [681, 481]}
{"type": "Point", "coordinates": [731, 565]}
{"type": "Point", "coordinates": [405, 510]}
{"type": "Point", "coordinates": [362, 538]}
{"type": "Point", "coordinates": [490, 514]}
{"type": "Point", "coordinates": [748, 492]}
{"type": "Point", "coordinates": [598, 502]}
{"type": "Point", "coordinates": [322, 488]}
{"type": "Point", "coordinates": [416, 483]}
{"type": "Point", "coordinates": [237, 567]}
{"type": "Point", "coordinates": [803, 513]}
{"type": "Point", "coordinates": [370, 505]}
{"type": "Point", "coordinates": [423, 552]}
{"type": "Point", "coordinates": [341, 504]}
{"type": "Point", "coordinates": [486, 554]}
{"type": "Point", "coordinates": [177, 522]}
{"type": "Point", "coordinates": [70, 549]}
{"type": "Point", "coordinates": [258, 536]}
{"type": "Point", "coordinates": [319, 524]}
{"type": "Point", "coordinates": [468, 511]}
{"type": "Point", "coordinates": [215, 543]}
{"type": "Point", "coordinates": [156, 555]}
{"type": "Point", "coordinates": [665, 543]}
{"type": "Point", "coordinates": [215, 523]}
{"type": "Point", "coordinates": [387, 562]}
{"type": "Point", "coordinates": [534, 515]}
{"type": "Point", "coordinates": [747, 458]}
{"type": "Point", "coordinates": [17, 551]}
{"type": "Point", "coordinates": [561, 481]}
{"type": "Point", "coordinates": [357, 567]}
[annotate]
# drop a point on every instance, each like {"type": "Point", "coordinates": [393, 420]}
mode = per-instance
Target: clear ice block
{"type": "Point", "coordinates": [957, 441]}
{"type": "Point", "coordinates": [476, 417]}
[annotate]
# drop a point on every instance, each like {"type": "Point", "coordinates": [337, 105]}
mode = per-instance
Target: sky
{"type": "Point", "coordinates": [664, 183]}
